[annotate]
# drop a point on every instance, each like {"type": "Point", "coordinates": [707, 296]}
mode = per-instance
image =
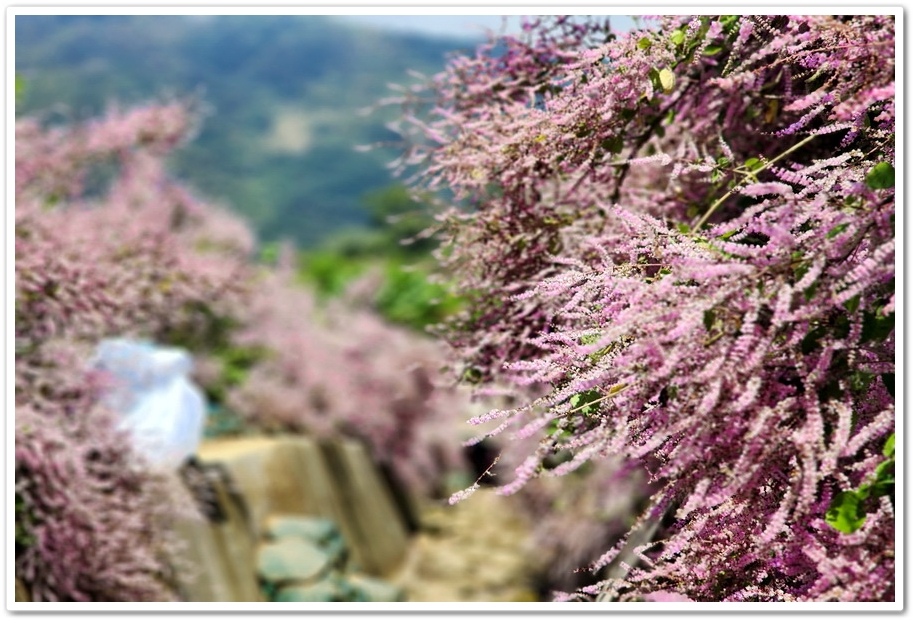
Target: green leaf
{"type": "Point", "coordinates": [836, 231]}
{"type": "Point", "coordinates": [853, 304]}
{"type": "Point", "coordinates": [841, 327]}
{"type": "Point", "coordinates": [884, 479]}
{"type": "Point", "coordinates": [751, 164]}
{"type": "Point", "coordinates": [558, 426]}
{"type": "Point", "coordinates": [881, 176]}
{"type": "Point", "coordinates": [20, 88]}
{"type": "Point", "coordinates": [586, 402]}
{"type": "Point", "coordinates": [654, 79]}
{"type": "Point", "coordinates": [644, 44]}
{"type": "Point", "coordinates": [596, 356]}
{"type": "Point", "coordinates": [472, 375]}
{"type": "Point", "coordinates": [712, 50]}
{"type": "Point", "coordinates": [709, 317]}
{"type": "Point", "coordinates": [830, 391]}
{"type": "Point", "coordinates": [889, 444]}
{"type": "Point", "coordinates": [677, 37]}
{"type": "Point", "coordinates": [888, 380]}
{"type": "Point", "coordinates": [614, 144]}
{"type": "Point", "coordinates": [845, 513]}
{"type": "Point", "coordinates": [860, 381]}
{"type": "Point", "coordinates": [810, 291]}
{"type": "Point", "coordinates": [729, 22]}
{"type": "Point", "coordinates": [876, 327]}
{"type": "Point", "coordinates": [884, 473]}
{"type": "Point", "coordinates": [801, 269]}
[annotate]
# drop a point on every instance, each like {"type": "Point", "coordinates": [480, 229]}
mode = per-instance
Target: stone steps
{"type": "Point", "coordinates": [290, 498]}
{"type": "Point", "coordinates": [476, 551]}
{"type": "Point", "coordinates": [294, 520]}
{"type": "Point", "coordinates": [305, 559]}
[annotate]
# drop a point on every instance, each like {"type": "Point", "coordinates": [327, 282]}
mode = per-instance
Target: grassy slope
{"type": "Point", "coordinates": [282, 95]}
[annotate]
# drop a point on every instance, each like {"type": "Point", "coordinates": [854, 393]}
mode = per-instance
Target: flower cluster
{"type": "Point", "coordinates": [679, 247]}
{"type": "Point", "coordinates": [106, 244]}
{"type": "Point", "coordinates": [333, 369]}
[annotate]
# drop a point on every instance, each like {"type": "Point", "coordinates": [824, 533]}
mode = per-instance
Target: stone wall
{"type": "Point", "coordinates": [293, 519]}
{"type": "Point", "coordinates": [270, 477]}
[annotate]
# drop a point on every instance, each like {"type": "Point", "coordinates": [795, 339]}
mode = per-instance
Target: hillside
{"type": "Point", "coordinates": [281, 96]}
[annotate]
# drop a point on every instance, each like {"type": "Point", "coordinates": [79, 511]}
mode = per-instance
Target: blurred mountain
{"type": "Point", "coordinates": [282, 96]}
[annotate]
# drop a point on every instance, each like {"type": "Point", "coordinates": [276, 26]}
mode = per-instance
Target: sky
{"type": "Point", "coordinates": [459, 26]}
{"type": "Point", "coordinates": [464, 26]}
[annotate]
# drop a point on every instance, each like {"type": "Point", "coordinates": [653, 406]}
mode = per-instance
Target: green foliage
{"type": "Point", "coordinates": [330, 270]}
{"type": "Point", "coordinates": [20, 90]}
{"type": "Point", "coordinates": [848, 509]}
{"type": "Point", "coordinates": [876, 327]}
{"type": "Point", "coordinates": [237, 361]}
{"type": "Point", "coordinates": [406, 294]}
{"type": "Point", "coordinates": [23, 518]}
{"type": "Point", "coordinates": [587, 402]}
{"type": "Point", "coordinates": [400, 219]}
{"type": "Point", "coordinates": [613, 145]}
{"type": "Point", "coordinates": [846, 512]}
{"type": "Point", "coordinates": [408, 297]}
{"type": "Point", "coordinates": [888, 380]}
{"type": "Point", "coordinates": [204, 330]}
{"type": "Point", "coordinates": [889, 449]}
{"type": "Point", "coordinates": [880, 176]}
{"type": "Point", "coordinates": [709, 318]}
{"type": "Point", "coordinates": [836, 231]}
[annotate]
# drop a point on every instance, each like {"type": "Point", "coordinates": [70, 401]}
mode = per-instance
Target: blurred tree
{"type": "Point", "coordinates": [401, 218]}
{"type": "Point", "coordinates": [392, 245]}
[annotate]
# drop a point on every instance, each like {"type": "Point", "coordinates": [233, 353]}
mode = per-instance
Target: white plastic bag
{"type": "Point", "coordinates": [159, 405]}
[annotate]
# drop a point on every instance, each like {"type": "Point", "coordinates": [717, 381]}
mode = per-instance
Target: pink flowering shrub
{"type": "Point", "coordinates": [107, 244]}
{"type": "Point", "coordinates": [339, 370]}
{"type": "Point", "coordinates": [92, 521]}
{"type": "Point", "coordinates": [678, 244]}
